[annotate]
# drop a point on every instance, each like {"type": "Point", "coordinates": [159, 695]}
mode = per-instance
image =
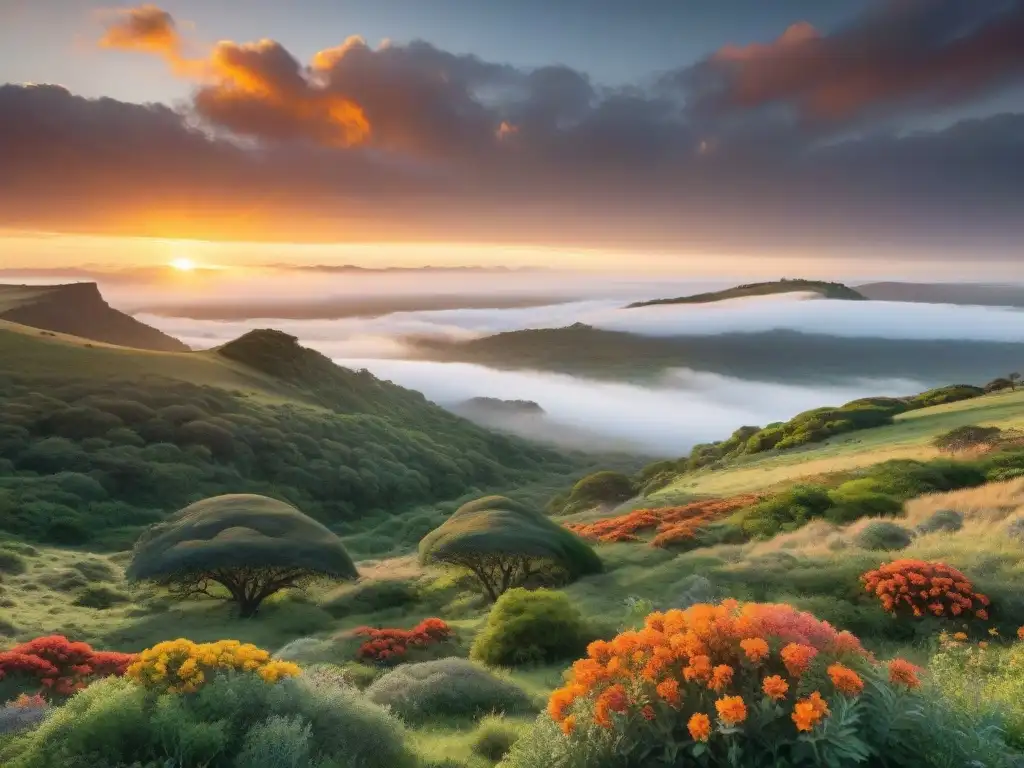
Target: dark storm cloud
{"type": "Point", "coordinates": [408, 141]}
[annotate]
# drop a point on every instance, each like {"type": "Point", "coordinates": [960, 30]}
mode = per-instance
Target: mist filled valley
{"type": "Point", "coordinates": [654, 380]}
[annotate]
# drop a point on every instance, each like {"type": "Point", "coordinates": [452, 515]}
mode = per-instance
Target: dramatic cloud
{"type": "Point", "coordinates": [900, 55]}
{"type": "Point", "coordinates": [767, 146]}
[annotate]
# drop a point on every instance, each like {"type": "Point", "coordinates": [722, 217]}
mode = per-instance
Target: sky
{"type": "Point", "coordinates": [674, 135]}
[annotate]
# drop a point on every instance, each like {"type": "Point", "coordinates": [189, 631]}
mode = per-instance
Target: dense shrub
{"type": "Point", "coordinates": [787, 510]}
{"type": "Point", "coordinates": [55, 667]}
{"type": "Point", "coordinates": [372, 596]}
{"type": "Point", "coordinates": [100, 597]}
{"type": "Point", "coordinates": [850, 504]}
{"type": "Point", "coordinates": [494, 737]}
{"type": "Point", "coordinates": [919, 588]}
{"type": "Point", "coordinates": [183, 666]}
{"type": "Point", "coordinates": [883, 535]}
{"type": "Point", "coordinates": [392, 646]}
{"type": "Point", "coordinates": [737, 685]}
{"type": "Point", "coordinates": [604, 487]}
{"type": "Point", "coordinates": [11, 562]}
{"type": "Point", "coordinates": [966, 437]}
{"type": "Point", "coordinates": [446, 688]}
{"type": "Point", "coordinates": [234, 721]}
{"type": "Point", "coordinates": [527, 627]}
{"type": "Point", "coordinates": [947, 520]}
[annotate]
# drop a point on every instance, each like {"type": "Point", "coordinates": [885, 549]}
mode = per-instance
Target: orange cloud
{"type": "Point", "coordinates": [255, 89]}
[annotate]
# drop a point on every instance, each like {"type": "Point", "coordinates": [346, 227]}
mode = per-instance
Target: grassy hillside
{"type": "Point", "coordinates": [909, 437]}
{"type": "Point", "coordinates": [78, 308]}
{"type": "Point", "coordinates": [775, 356]}
{"type": "Point", "coordinates": [96, 440]}
{"type": "Point", "coordinates": [824, 289]}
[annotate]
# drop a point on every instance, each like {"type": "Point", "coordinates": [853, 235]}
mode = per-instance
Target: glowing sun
{"type": "Point", "coordinates": [183, 265]}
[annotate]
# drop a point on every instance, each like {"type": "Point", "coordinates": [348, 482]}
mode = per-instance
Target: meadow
{"type": "Point", "coordinates": [484, 688]}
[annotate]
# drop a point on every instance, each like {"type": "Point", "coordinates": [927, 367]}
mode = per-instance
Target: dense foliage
{"type": "Point", "coordinates": [967, 437]}
{"type": "Point", "coordinates": [92, 458]}
{"type": "Point", "coordinates": [54, 667]}
{"type": "Point", "coordinates": [234, 721]}
{"type": "Point", "coordinates": [918, 588]}
{"type": "Point", "coordinates": [181, 666]}
{"type": "Point", "coordinates": [530, 627]}
{"type": "Point", "coordinates": [251, 546]}
{"type": "Point", "coordinates": [391, 646]}
{"type": "Point", "coordinates": [738, 685]}
{"type": "Point", "coordinates": [605, 487]}
{"type": "Point", "coordinates": [507, 544]}
{"type": "Point", "coordinates": [446, 688]}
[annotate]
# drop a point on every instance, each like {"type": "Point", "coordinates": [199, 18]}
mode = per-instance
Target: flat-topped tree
{"type": "Point", "coordinates": [252, 546]}
{"type": "Point", "coordinates": [504, 544]}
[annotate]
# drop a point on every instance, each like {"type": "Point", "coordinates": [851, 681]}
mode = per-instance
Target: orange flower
{"type": "Point", "coordinates": [982, 644]}
{"type": "Point", "coordinates": [699, 727]}
{"type": "Point", "coordinates": [903, 672]}
{"type": "Point", "coordinates": [721, 677]}
{"type": "Point", "coordinates": [797, 658]}
{"type": "Point", "coordinates": [613, 699]}
{"type": "Point", "coordinates": [982, 614]}
{"type": "Point", "coordinates": [558, 705]}
{"type": "Point", "coordinates": [731, 710]}
{"type": "Point", "coordinates": [775, 687]}
{"type": "Point", "coordinates": [808, 712]}
{"type": "Point", "coordinates": [755, 648]}
{"type": "Point", "coordinates": [668, 690]}
{"type": "Point", "coordinates": [1020, 633]}
{"type": "Point", "coordinates": [845, 680]}
{"type": "Point", "coordinates": [960, 636]}
{"type": "Point", "coordinates": [569, 724]}
{"type": "Point", "coordinates": [698, 669]}
{"type": "Point", "coordinates": [647, 712]}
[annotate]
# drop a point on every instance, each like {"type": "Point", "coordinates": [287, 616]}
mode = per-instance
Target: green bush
{"type": "Point", "coordinates": [100, 597]}
{"type": "Point", "coordinates": [446, 688]}
{"type": "Point", "coordinates": [942, 520]}
{"type": "Point", "coordinates": [883, 535]}
{"type": "Point", "coordinates": [371, 596]}
{"type": "Point", "coordinates": [527, 627]}
{"type": "Point", "coordinates": [966, 437]}
{"type": "Point", "coordinates": [115, 722]}
{"type": "Point", "coordinates": [850, 503]}
{"type": "Point", "coordinates": [494, 737]}
{"type": "Point", "coordinates": [787, 510]}
{"type": "Point", "coordinates": [11, 562]}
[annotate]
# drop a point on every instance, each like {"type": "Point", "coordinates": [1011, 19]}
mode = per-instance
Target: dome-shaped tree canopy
{"type": "Point", "coordinates": [252, 545]}
{"type": "Point", "coordinates": [504, 542]}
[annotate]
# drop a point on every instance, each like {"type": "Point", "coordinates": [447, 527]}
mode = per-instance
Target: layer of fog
{"type": "Point", "coordinates": [383, 336]}
{"type": "Point", "coordinates": [665, 419]}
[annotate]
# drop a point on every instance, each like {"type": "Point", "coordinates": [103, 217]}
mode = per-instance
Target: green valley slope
{"type": "Point", "coordinates": [79, 309]}
{"type": "Point", "coordinates": [97, 440]}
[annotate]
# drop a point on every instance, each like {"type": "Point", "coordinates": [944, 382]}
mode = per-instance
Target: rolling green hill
{"type": "Point", "coordinates": [97, 440]}
{"type": "Point", "coordinates": [824, 289]}
{"type": "Point", "coordinates": [79, 309]}
{"type": "Point", "coordinates": [775, 356]}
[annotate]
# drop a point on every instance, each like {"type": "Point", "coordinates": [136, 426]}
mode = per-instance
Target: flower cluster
{"type": "Point", "coordinates": [58, 666]}
{"type": "Point", "coordinates": [708, 667]}
{"type": "Point", "coordinates": [921, 588]}
{"type": "Point", "coordinates": [672, 525]}
{"type": "Point", "coordinates": [389, 646]}
{"type": "Point", "coordinates": [183, 666]}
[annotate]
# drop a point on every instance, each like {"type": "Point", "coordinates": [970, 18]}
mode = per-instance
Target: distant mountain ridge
{"type": "Point", "coordinates": [79, 309]}
{"type": "Point", "coordinates": [825, 289]}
